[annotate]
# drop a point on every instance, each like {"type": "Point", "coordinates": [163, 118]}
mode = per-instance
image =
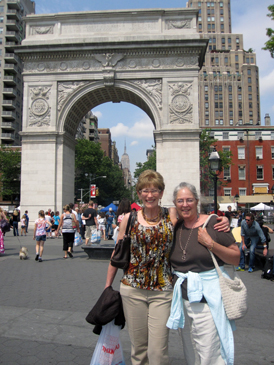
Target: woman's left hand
{"type": "Point", "coordinates": [204, 238]}
{"type": "Point", "coordinates": [223, 225]}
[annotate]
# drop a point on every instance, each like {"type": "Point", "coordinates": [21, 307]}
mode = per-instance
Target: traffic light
{"type": "Point", "coordinates": [97, 191]}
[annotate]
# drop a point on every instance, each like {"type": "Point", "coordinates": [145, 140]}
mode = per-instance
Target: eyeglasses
{"type": "Point", "coordinates": [188, 201]}
{"type": "Point", "coordinates": [248, 220]}
{"type": "Point", "coordinates": [152, 192]}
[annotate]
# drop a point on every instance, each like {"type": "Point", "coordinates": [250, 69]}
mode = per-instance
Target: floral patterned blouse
{"type": "Point", "coordinates": [149, 266]}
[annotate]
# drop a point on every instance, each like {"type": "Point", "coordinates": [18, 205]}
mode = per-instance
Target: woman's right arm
{"type": "Point", "coordinates": [111, 269]}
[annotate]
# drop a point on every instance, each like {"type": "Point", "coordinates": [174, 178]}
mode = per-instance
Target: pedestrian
{"type": "Point", "coordinates": [197, 308]}
{"type": "Point", "coordinates": [67, 221]}
{"type": "Point", "coordinates": [56, 220]}
{"type": "Point", "coordinates": [39, 234]}
{"type": "Point", "coordinates": [146, 286]}
{"type": "Point", "coordinates": [252, 233]}
{"type": "Point", "coordinates": [48, 228]}
{"type": "Point", "coordinates": [23, 225]}
{"type": "Point", "coordinates": [4, 218]}
{"type": "Point", "coordinates": [102, 225]}
{"type": "Point", "coordinates": [15, 220]}
{"type": "Point", "coordinates": [123, 208]}
{"type": "Point", "coordinates": [27, 220]}
{"type": "Point", "coordinates": [89, 216]}
{"type": "Point", "coordinates": [110, 216]}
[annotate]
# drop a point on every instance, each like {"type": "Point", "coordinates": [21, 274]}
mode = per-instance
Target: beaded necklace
{"type": "Point", "coordinates": [152, 221]}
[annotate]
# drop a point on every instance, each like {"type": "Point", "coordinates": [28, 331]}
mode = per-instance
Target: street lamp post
{"type": "Point", "coordinates": [214, 166]}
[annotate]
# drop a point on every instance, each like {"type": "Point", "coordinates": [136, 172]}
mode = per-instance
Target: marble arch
{"type": "Point", "coordinates": [76, 61]}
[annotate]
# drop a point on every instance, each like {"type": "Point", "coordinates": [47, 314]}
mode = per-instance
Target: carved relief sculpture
{"type": "Point", "coordinates": [39, 111]}
{"type": "Point", "coordinates": [180, 108]}
{"type": "Point", "coordinates": [153, 88]}
{"type": "Point", "coordinates": [178, 24]}
{"type": "Point", "coordinates": [42, 30]}
{"type": "Point", "coordinates": [65, 89]}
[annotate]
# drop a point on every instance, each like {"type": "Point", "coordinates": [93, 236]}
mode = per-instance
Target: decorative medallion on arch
{"type": "Point", "coordinates": [39, 111]}
{"type": "Point", "coordinates": [180, 107]}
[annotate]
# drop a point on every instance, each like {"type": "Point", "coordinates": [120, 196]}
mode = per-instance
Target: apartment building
{"type": "Point", "coordinates": [229, 93]}
{"type": "Point", "coordinates": [12, 31]}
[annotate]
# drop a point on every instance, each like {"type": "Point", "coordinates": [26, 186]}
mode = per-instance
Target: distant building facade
{"type": "Point", "coordinates": [125, 165]}
{"type": "Point", "coordinates": [12, 31]}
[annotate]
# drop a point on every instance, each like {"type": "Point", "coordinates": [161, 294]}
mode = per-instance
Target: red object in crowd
{"type": "Point", "coordinates": [93, 191]}
{"type": "Point", "coordinates": [136, 206]}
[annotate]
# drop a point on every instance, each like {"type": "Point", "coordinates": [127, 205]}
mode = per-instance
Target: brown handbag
{"type": "Point", "coordinates": [121, 254]}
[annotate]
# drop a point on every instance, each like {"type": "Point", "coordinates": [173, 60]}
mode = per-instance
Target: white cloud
{"type": "Point", "coordinates": [134, 143]}
{"type": "Point", "coordinates": [141, 129]}
{"type": "Point", "coordinates": [97, 113]}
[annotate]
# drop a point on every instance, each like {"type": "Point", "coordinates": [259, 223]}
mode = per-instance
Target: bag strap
{"type": "Point", "coordinates": [131, 218]}
{"type": "Point", "coordinates": [217, 267]}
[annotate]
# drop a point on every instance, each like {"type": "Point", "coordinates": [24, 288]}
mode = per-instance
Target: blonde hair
{"type": "Point", "coordinates": [150, 177]}
{"type": "Point", "coordinates": [15, 212]}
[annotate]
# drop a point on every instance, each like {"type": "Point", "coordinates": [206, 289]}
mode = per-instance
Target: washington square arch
{"type": "Point", "coordinates": [74, 62]}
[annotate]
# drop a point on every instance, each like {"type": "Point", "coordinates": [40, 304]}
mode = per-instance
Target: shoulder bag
{"type": "Point", "coordinates": [121, 254]}
{"type": "Point", "coordinates": [234, 293]}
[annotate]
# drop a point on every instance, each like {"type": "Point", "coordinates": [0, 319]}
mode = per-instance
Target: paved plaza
{"type": "Point", "coordinates": [43, 308]}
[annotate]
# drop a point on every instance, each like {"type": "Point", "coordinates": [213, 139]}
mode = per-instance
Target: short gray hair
{"type": "Point", "coordinates": [182, 185]}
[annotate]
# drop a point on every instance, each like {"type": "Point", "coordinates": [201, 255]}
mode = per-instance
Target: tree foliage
{"type": "Point", "coordinates": [90, 161]}
{"type": "Point", "coordinates": [150, 164]}
{"type": "Point", "coordinates": [10, 168]}
{"type": "Point", "coordinates": [269, 45]}
{"type": "Point", "coordinates": [206, 143]}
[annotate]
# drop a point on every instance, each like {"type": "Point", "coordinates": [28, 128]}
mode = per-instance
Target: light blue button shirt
{"type": "Point", "coordinates": [205, 284]}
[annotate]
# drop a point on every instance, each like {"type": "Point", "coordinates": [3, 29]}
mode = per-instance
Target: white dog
{"type": "Point", "coordinates": [23, 254]}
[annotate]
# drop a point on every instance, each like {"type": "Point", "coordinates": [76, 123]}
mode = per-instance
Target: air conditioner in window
{"type": "Point", "coordinates": [260, 139]}
{"type": "Point", "coordinates": [258, 157]}
{"type": "Point", "coordinates": [241, 139]}
{"type": "Point", "coordinates": [228, 178]}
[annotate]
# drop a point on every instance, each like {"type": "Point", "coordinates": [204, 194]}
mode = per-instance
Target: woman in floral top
{"type": "Point", "coordinates": [146, 286]}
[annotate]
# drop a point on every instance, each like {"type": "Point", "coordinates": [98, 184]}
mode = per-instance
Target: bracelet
{"type": "Point", "coordinates": [210, 248]}
{"type": "Point", "coordinates": [265, 246]}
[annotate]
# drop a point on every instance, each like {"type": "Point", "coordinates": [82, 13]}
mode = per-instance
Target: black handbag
{"type": "Point", "coordinates": [121, 254]}
{"type": "Point", "coordinates": [4, 225]}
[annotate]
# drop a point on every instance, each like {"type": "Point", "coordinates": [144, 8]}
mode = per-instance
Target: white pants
{"type": "Point", "coordinates": [146, 313]}
{"type": "Point", "coordinates": [200, 338]}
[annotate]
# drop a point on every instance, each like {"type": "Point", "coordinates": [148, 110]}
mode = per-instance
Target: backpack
{"type": "Point", "coordinates": [268, 269]}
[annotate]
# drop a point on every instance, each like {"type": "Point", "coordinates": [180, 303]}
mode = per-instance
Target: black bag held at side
{"type": "Point", "coordinates": [121, 255]}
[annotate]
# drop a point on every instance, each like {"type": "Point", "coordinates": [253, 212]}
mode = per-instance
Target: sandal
{"type": "Point", "coordinates": [65, 257]}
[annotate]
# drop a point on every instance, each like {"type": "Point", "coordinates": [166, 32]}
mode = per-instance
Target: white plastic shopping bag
{"type": "Point", "coordinates": [108, 350]}
{"type": "Point", "coordinates": [95, 236]}
{"type": "Point", "coordinates": [77, 239]}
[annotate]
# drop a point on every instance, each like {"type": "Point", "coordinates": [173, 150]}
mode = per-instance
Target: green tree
{"type": "Point", "coordinates": [150, 164]}
{"type": "Point", "coordinates": [90, 161]}
{"type": "Point", "coordinates": [269, 45]}
{"type": "Point", "coordinates": [10, 168]}
{"type": "Point", "coordinates": [206, 143]}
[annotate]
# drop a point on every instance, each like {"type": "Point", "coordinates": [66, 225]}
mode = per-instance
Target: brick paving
{"type": "Point", "coordinates": [43, 308]}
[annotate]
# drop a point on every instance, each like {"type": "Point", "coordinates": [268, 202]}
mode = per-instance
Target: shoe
{"type": "Point", "coordinates": [36, 257]}
{"type": "Point", "coordinates": [70, 254]}
{"type": "Point", "coordinates": [40, 259]}
{"type": "Point", "coordinates": [65, 257]}
{"type": "Point", "coordinates": [238, 268]}
{"type": "Point", "coordinates": [250, 269]}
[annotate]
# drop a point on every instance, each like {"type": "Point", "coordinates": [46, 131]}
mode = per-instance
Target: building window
{"type": "Point", "coordinates": [225, 134]}
{"type": "Point", "coordinates": [211, 192]}
{"type": "Point", "coordinates": [227, 192]}
{"type": "Point", "coordinates": [1, 30]}
{"type": "Point", "coordinates": [250, 89]}
{"type": "Point", "coordinates": [216, 121]}
{"type": "Point", "coordinates": [206, 105]}
{"type": "Point", "coordinates": [240, 121]}
{"type": "Point", "coordinates": [227, 173]}
{"type": "Point", "coordinates": [241, 170]}
{"type": "Point", "coordinates": [249, 72]}
{"type": "Point", "coordinates": [230, 96]}
{"type": "Point", "coordinates": [241, 153]}
{"type": "Point", "coordinates": [242, 191]}
{"type": "Point", "coordinates": [249, 96]}
{"type": "Point", "coordinates": [272, 135]}
{"type": "Point", "coordinates": [231, 121]}
{"type": "Point", "coordinates": [226, 148]}
{"type": "Point", "coordinates": [272, 152]}
{"type": "Point", "coordinates": [206, 88]}
{"type": "Point", "coordinates": [226, 59]}
{"type": "Point", "coordinates": [240, 135]}
{"type": "Point", "coordinates": [273, 172]}
{"type": "Point", "coordinates": [1, 19]}
{"type": "Point", "coordinates": [259, 152]}
{"type": "Point", "coordinates": [258, 134]}
{"type": "Point", "coordinates": [207, 121]}
{"type": "Point", "coordinates": [230, 88]}
{"type": "Point", "coordinates": [249, 80]}
{"type": "Point", "coordinates": [260, 172]}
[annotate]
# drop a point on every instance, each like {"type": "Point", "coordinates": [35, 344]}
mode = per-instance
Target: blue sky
{"type": "Point", "coordinates": [129, 123]}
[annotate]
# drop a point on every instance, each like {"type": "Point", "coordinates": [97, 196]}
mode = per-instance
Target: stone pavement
{"type": "Point", "coordinates": [43, 308]}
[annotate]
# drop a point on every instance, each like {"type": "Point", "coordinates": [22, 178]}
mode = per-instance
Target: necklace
{"type": "Point", "coordinates": [152, 221]}
{"type": "Point", "coordinates": [180, 239]}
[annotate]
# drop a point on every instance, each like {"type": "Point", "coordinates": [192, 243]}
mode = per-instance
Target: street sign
{"type": "Point", "coordinates": [93, 191]}
{"type": "Point", "coordinates": [115, 202]}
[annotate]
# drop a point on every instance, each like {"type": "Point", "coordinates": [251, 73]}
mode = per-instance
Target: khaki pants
{"type": "Point", "coordinates": [200, 338]}
{"type": "Point", "coordinates": [146, 313]}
